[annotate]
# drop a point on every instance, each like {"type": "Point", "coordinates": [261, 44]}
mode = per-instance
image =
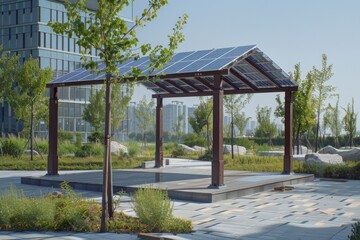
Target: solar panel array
{"type": "Point", "coordinates": [250, 69]}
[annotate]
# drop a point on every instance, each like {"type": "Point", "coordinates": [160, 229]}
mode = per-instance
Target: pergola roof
{"type": "Point", "coordinates": [244, 69]}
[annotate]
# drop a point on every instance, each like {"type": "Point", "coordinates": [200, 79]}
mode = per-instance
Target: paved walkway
{"type": "Point", "coordinates": [317, 210]}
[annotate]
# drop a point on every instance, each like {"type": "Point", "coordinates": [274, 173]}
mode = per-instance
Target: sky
{"type": "Point", "coordinates": [288, 31]}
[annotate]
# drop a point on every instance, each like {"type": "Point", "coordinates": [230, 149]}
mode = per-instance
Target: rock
{"type": "Point", "coordinates": [56, 194]}
{"type": "Point", "coordinates": [237, 149]}
{"type": "Point", "coordinates": [116, 148]}
{"type": "Point", "coordinates": [302, 150]}
{"type": "Point", "coordinates": [198, 148]}
{"type": "Point", "coordinates": [323, 158]}
{"type": "Point", "coordinates": [187, 148]}
{"type": "Point", "coordinates": [347, 154]}
{"type": "Point", "coordinates": [28, 152]}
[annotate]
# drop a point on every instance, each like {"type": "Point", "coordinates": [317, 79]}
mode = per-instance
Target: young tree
{"type": "Point", "coordinates": [332, 119]}
{"type": "Point", "coordinates": [323, 91]}
{"type": "Point", "coordinates": [145, 117]}
{"type": "Point", "coordinates": [8, 71]}
{"type": "Point", "coordinates": [303, 105]}
{"type": "Point", "coordinates": [28, 98]}
{"type": "Point", "coordinates": [233, 105]}
{"type": "Point", "coordinates": [349, 122]}
{"type": "Point", "coordinates": [178, 127]}
{"type": "Point", "coordinates": [94, 111]}
{"type": "Point", "coordinates": [240, 121]}
{"type": "Point", "coordinates": [203, 118]}
{"type": "Point", "coordinates": [266, 127]}
{"type": "Point", "coordinates": [107, 32]}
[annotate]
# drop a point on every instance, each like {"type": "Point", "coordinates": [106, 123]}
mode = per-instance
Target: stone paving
{"type": "Point", "coordinates": [315, 210]}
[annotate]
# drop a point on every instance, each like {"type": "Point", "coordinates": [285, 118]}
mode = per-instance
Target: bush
{"type": "Point", "coordinates": [355, 231]}
{"type": "Point", "coordinates": [207, 156]}
{"type": "Point", "coordinates": [64, 136]}
{"type": "Point", "coordinates": [96, 137]}
{"type": "Point", "coordinates": [192, 139]}
{"type": "Point", "coordinates": [88, 150]}
{"type": "Point", "coordinates": [42, 146]}
{"type": "Point", "coordinates": [66, 148]}
{"type": "Point", "coordinates": [133, 148]}
{"type": "Point", "coordinates": [178, 152]}
{"type": "Point", "coordinates": [12, 146]}
{"type": "Point", "coordinates": [153, 207]}
{"type": "Point", "coordinates": [246, 142]}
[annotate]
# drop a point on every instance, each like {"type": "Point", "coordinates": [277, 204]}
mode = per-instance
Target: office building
{"type": "Point", "coordinates": [24, 31]}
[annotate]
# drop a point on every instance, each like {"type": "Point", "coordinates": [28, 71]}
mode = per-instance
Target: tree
{"type": "Point", "coordinates": [94, 111]}
{"type": "Point", "coordinates": [233, 105]}
{"type": "Point", "coordinates": [240, 121]}
{"type": "Point", "coordinates": [303, 105]}
{"type": "Point", "coordinates": [349, 122]}
{"type": "Point", "coordinates": [203, 118]}
{"type": "Point", "coordinates": [145, 117]}
{"type": "Point", "coordinates": [332, 119]}
{"type": "Point", "coordinates": [28, 98]}
{"type": "Point", "coordinates": [323, 91]}
{"type": "Point", "coordinates": [107, 32]}
{"type": "Point", "coordinates": [178, 127]}
{"type": "Point", "coordinates": [266, 128]}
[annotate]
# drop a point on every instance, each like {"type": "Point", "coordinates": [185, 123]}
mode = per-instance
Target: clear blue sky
{"type": "Point", "coordinates": [288, 31]}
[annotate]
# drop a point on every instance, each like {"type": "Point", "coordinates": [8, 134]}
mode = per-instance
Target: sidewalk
{"type": "Point", "coordinates": [315, 210]}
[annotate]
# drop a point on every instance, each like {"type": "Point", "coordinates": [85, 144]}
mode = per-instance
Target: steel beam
{"type": "Point", "coordinates": [288, 153]}
{"type": "Point", "coordinates": [217, 164]}
{"type": "Point", "coordinates": [53, 133]}
{"type": "Point", "coordinates": [159, 133]}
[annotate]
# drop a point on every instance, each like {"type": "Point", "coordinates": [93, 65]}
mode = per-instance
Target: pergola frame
{"type": "Point", "coordinates": [215, 83]}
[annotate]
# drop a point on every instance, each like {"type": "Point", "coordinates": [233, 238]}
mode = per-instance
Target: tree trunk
{"type": "Point", "coordinates": [208, 135]}
{"type": "Point", "coordinates": [298, 139]}
{"type": "Point", "coordinates": [107, 185]}
{"type": "Point", "coordinates": [32, 133]}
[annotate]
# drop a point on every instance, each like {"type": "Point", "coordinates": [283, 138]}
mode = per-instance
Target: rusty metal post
{"type": "Point", "coordinates": [159, 133]}
{"type": "Point", "coordinates": [217, 164]}
{"type": "Point", "coordinates": [53, 132]}
{"type": "Point", "coordinates": [288, 154]}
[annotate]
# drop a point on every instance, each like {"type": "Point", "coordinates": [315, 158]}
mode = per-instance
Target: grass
{"type": "Point", "coordinates": [69, 212]}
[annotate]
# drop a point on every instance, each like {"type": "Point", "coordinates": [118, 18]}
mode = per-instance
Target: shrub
{"type": "Point", "coordinates": [88, 150]}
{"type": "Point", "coordinates": [153, 207]}
{"type": "Point", "coordinates": [355, 231]}
{"type": "Point", "coordinates": [177, 152]}
{"type": "Point", "coordinates": [245, 142]}
{"type": "Point", "coordinates": [12, 146]}
{"type": "Point", "coordinates": [66, 148]}
{"type": "Point", "coordinates": [64, 136]}
{"type": "Point", "coordinates": [178, 225]}
{"type": "Point", "coordinates": [192, 139]}
{"type": "Point", "coordinates": [207, 156]}
{"type": "Point", "coordinates": [78, 140]}
{"type": "Point", "coordinates": [133, 148]}
{"type": "Point", "coordinates": [42, 146]}
{"type": "Point", "coordinates": [96, 137]}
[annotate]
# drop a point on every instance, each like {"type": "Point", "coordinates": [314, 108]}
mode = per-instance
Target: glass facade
{"type": "Point", "coordinates": [24, 31]}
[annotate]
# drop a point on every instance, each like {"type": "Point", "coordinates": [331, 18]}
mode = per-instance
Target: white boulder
{"type": "Point", "coordinates": [198, 148]}
{"type": "Point", "coordinates": [237, 149]}
{"type": "Point", "coordinates": [323, 158]}
{"type": "Point", "coordinates": [302, 150]}
{"type": "Point", "coordinates": [186, 148]}
{"type": "Point", "coordinates": [352, 154]}
{"type": "Point", "coordinates": [116, 148]}
{"type": "Point", "coordinates": [28, 152]}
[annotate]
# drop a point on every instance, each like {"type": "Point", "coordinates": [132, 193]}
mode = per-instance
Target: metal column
{"type": "Point", "coordinates": [217, 164]}
{"type": "Point", "coordinates": [159, 133]}
{"type": "Point", "coordinates": [53, 132]}
{"type": "Point", "coordinates": [288, 154]}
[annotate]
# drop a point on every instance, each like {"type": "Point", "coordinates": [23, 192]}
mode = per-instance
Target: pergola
{"type": "Point", "coordinates": [215, 72]}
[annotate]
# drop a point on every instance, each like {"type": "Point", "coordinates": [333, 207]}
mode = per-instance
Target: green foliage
{"type": "Point", "coordinates": [153, 207]}
{"type": "Point", "coordinates": [96, 137]}
{"type": "Point", "coordinates": [145, 117]}
{"type": "Point", "coordinates": [133, 148]}
{"type": "Point", "coordinates": [332, 120]}
{"type": "Point", "coordinates": [64, 136]}
{"type": "Point", "coordinates": [179, 127]}
{"type": "Point", "coordinates": [88, 150]}
{"type": "Point", "coordinates": [266, 127]}
{"type": "Point", "coordinates": [78, 140]}
{"type": "Point", "coordinates": [9, 65]}
{"type": "Point", "coordinates": [178, 225]}
{"type": "Point", "coordinates": [349, 122]}
{"type": "Point", "coordinates": [94, 112]}
{"type": "Point", "coordinates": [193, 139]}
{"type": "Point", "coordinates": [208, 156]}
{"type": "Point", "coordinates": [42, 146]}
{"type": "Point", "coordinates": [246, 142]}
{"type": "Point", "coordinates": [12, 146]}
{"type": "Point", "coordinates": [355, 232]}
{"type": "Point", "coordinates": [349, 170]}
{"type": "Point", "coordinates": [66, 148]}
{"type": "Point", "coordinates": [178, 152]}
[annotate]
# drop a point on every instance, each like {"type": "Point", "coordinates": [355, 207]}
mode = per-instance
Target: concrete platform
{"type": "Point", "coordinates": [187, 180]}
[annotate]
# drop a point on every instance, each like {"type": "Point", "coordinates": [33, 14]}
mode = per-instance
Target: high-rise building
{"type": "Point", "coordinates": [24, 31]}
{"type": "Point", "coordinates": [190, 114]}
{"type": "Point", "coordinates": [171, 115]}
